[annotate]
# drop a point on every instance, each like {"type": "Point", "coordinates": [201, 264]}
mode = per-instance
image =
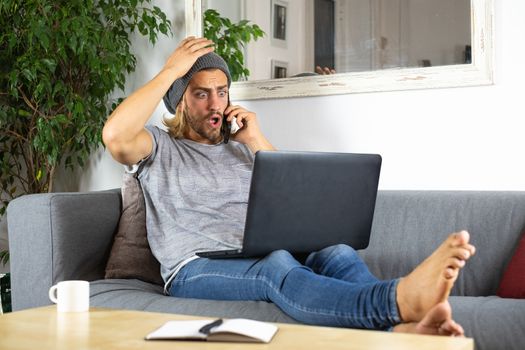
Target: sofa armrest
{"type": "Point", "coordinates": [58, 236]}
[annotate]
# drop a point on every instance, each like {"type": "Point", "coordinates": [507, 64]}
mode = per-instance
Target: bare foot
{"type": "Point", "coordinates": [438, 321]}
{"type": "Point", "coordinates": [431, 281]}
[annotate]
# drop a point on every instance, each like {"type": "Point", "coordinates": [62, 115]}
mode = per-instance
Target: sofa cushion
{"type": "Point", "coordinates": [512, 284]}
{"type": "Point", "coordinates": [138, 295]}
{"type": "Point", "coordinates": [131, 255]}
{"type": "Point", "coordinates": [494, 323]}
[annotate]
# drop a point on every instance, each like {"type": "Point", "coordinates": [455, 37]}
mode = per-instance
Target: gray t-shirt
{"type": "Point", "coordinates": [196, 197]}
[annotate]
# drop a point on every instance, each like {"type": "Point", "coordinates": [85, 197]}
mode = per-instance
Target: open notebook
{"type": "Point", "coordinates": [231, 330]}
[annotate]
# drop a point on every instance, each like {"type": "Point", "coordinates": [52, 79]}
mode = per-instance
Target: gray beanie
{"type": "Point", "coordinates": [209, 61]}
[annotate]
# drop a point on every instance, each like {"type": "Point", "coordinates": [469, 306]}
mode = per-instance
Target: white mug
{"type": "Point", "coordinates": [70, 296]}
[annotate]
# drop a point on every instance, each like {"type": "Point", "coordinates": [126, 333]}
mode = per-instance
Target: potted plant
{"type": "Point", "coordinates": [230, 39]}
{"type": "Point", "coordinates": [60, 62]}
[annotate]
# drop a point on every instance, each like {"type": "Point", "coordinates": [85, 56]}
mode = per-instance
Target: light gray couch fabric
{"type": "Point", "coordinates": [139, 295]}
{"type": "Point", "coordinates": [61, 236]}
{"type": "Point", "coordinates": [56, 237]}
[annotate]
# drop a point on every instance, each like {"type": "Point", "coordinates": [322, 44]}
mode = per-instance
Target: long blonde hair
{"type": "Point", "coordinates": [177, 126]}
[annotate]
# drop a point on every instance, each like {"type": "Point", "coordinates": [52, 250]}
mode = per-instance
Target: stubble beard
{"type": "Point", "coordinates": [199, 126]}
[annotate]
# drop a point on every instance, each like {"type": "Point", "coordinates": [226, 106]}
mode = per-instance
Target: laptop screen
{"type": "Point", "coordinates": [306, 201]}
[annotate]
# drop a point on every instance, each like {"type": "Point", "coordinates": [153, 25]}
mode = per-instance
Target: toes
{"type": "Point", "coordinates": [450, 273]}
{"type": "Point", "coordinates": [450, 327]}
{"type": "Point", "coordinates": [465, 254]}
{"type": "Point", "coordinates": [459, 238]}
{"type": "Point", "coordinates": [462, 253]}
{"type": "Point", "coordinates": [459, 330]}
{"type": "Point", "coordinates": [468, 250]}
{"type": "Point", "coordinates": [455, 263]}
{"type": "Point", "coordinates": [455, 329]}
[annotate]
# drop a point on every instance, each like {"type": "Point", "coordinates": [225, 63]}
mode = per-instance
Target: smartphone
{"type": "Point", "coordinates": [226, 127]}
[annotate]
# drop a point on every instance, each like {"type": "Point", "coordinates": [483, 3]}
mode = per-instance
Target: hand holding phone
{"type": "Point", "coordinates": [243, 127]}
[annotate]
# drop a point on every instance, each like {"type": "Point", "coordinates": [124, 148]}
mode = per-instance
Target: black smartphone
{"type": "Point", "coordinates": [226, 127]}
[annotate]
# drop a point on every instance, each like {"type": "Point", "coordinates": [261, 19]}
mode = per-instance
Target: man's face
{"type": "Point", "coordinates": [204, 102]}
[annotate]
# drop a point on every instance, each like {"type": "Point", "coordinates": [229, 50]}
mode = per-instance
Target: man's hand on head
{"type": "Point", "coordinates": [186, 54]}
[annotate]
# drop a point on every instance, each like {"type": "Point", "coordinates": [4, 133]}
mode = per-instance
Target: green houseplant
{"type": "Point", "coordinates": [60, 62]}
{"type": "Point", "coordinates": [230, 39]}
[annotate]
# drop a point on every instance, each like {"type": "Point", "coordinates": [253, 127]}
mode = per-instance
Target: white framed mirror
{"type": "Point", "coordinates": [477, 72]}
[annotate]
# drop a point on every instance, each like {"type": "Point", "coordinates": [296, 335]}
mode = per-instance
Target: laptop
{"type": "Point", "coordinates": [305, 201]}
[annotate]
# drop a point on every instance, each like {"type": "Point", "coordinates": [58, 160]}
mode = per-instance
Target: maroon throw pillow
{"type": "Point", "coordinates": [512, 284]}
{"type": "Point", "coordinates": [131, 256]}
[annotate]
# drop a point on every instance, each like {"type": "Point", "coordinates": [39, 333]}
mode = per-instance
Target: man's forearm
{"type": "Point", "coordinates": [130, 117]}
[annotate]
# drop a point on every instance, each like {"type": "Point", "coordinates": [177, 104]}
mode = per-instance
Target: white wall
{"type": "Point", "coordinates": [231, 9]}
{"type": "Point", "coordinates": [457, 138]}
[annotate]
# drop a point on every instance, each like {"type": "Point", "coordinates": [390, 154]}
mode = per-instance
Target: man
{"type": "Point", "coordinates": [196, 188]}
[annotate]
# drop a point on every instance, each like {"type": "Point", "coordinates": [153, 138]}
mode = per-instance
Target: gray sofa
{"type": "Point", "coordinates": [61, 236]}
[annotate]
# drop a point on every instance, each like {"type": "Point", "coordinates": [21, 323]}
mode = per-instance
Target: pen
{"type": "Point", "coordinates": [208, 327]}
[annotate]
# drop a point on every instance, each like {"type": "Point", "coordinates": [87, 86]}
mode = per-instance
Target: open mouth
{"type": "Point", "coordinates": [215, 121]}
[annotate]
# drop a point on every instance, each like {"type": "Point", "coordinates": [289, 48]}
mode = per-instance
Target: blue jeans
{"type": "Point", "coordinates": [333, 288]}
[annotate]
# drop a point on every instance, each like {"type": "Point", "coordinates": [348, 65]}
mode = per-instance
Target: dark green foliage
{"type": "Point", "coordinates": [59, 62]}
{"type": "Point", "coordinates": [229, 39]}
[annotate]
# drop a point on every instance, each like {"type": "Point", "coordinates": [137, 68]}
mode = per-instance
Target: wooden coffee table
{"type": "Point", "coordinates": [44, 328]}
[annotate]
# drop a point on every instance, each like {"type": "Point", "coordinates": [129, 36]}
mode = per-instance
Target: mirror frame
{"type": "Point", "coordinates": [477, 73]}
